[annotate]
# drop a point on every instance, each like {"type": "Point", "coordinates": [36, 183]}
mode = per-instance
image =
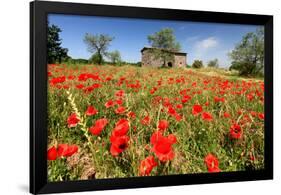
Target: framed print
{"type": "Point", "coordinates": [129, 97]}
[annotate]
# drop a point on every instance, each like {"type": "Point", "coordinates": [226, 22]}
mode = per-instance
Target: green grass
{"type": "Point", "coordinates": [195, 136]}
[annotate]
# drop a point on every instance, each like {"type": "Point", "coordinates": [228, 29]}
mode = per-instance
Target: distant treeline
{"type": "Point", "coordinates": [70, 60]}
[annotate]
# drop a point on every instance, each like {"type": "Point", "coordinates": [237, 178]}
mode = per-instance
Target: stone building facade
{"type": "Point", "coordinates": [148, 59]}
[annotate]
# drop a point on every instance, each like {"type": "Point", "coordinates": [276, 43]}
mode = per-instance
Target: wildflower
{"type": "Point", "coordinates": [147, 165]}
{"type": "Point", "coordinates": [99, 125]}
{"type": "Point", "coordinates": [72, 120]}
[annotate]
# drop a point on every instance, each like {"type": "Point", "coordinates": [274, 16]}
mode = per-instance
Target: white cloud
{"type": "Point", "coordinates": [207, 43]}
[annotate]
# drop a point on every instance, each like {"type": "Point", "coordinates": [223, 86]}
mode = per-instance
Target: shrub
{"type": "Point", "coordinates": [197, 64]}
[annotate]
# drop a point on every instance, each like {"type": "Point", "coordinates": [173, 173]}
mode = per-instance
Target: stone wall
{"type": "Point", "coordinates": [148, 59]}
{"type": "Point", "coordinates": [180, 60]}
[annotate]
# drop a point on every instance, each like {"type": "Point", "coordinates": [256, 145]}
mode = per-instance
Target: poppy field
{"type": "Point", "coordinates": [125, 121]}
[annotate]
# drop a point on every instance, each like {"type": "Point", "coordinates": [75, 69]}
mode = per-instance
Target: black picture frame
{"type": "Point", "coordinates": [38, 96]}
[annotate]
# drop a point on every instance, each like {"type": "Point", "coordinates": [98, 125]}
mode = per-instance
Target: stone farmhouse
{"type": "Point", "coordinates": [148, 59]}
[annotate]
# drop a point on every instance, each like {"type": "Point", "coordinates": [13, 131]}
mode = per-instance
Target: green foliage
{"type": "Point", "coordinates": [77, 61]}
{"type": "Point", "coordinates": [248, 55]}
{"type": "Point", "coordinates": [197, 64]}
{"type": "Point", "coordinates": [115, 57]}
{"type": "Point", "coordinates": [188, 66]}
{"type": "Point", "coordinates": [98, 44]}
{"type": "Point", "coordinates": [54, 50]}
{"type": "Point", "coordinates": [213, 63]}
{"type": "Point", "coordinates": [163, 43]}
{"type": "Point", "coordinates": [96, 59]}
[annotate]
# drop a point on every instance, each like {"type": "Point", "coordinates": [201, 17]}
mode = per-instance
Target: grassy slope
{"type": "Point", "coordinates": [196, 137]}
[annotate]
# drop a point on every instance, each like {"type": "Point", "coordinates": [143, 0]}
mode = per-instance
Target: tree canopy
{"type": "Point", "coordinates": [163, 43]}
{"type": "Point", "coordinates": [197, 64]}
{"type": "Point", "coordinates": [55, 52]}
{"type": "Point", "coordinates": [98, 44]}
{"type": "Point", "coordinates": [115, 57]}
{"type": "Point", "coordinates": [248, 55]}
{"type": "Point", "coordinates": [213, 63]}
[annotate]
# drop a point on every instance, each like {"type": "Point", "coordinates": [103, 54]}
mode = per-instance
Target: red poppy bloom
{"type": "Point", "coordinates": [177, 117]}
{"type": "Point", "coordinates": [52, 153]}
{"type": "Point", "coordinates": [163, 149]}
{"type": "Point", "coordinates": [147, 165]}
{"type": "Point", "coordinates": [171, 110]}
{"type": "Point", "coordinates": [235, 131]}
{"type": "Point", "coordinates": [66, 150]}
{"type": "Point", "coordinates": [109, 104]}
{"type": "Point", "coordinates": [121, 127]}
{"type": "Point", "coordinates": [226, 115]}
{"type": "Point", "coordinates": [261, 116]}
{"type": "Point", "coordinates": [120, 93]}
{"type": "Point", "coordinates": [172, 138]}
{"type": "Point", "coordinates": [119, 101]}
{"type": "Point", "coordinates": [131, 115]}
{"type": "Point", "coordinates": [212, 163]}
{"type": "Point", "coordinates": [79, 86]}
{"type": "Point", "coordinates": [163, 124]}
{"type": "Point", "coordinates": [99, 126]}
{"type": "Point", "coordinates": [155, 137]}
{"type": "Point", "coordinates": [118, 144]}
{"type": "Point", "coordinates": [218, 99]}
{"type": "Point", "coordinates": [207, 116]}
{"type": "Point", "coordinates": [162, 146]}
{"type": "Point", "coordinates": [145, 120]}
{"type": "Point", "coordinates": [91, 111]}
{"type": "Point", "coordinates": [120, 110]}
{"type": "Point", "coordinates": [250, 97]}
{"type": "Point", "coordinates": [185, 98]}
{"type": "Point", "coordinates": [72, 120]}
{"type": "Point", "coordinates": [179, 106]}
{"type": "Point", "coordinates": [196, 109]}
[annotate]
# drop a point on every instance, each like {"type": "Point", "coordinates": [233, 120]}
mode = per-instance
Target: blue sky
{"type": "Point", "coordinates": [204, 41]}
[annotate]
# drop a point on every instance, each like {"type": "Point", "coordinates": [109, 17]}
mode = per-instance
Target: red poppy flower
{"type": "Point", "coordinates": [261, 116]}
{"type": "Point", "coordinates": [177, 117]}
{"type": "Point", "coordinates": [235, 131]}
{"type": "Point", "coordinates": [250, 97]}
{"type": "Point", "coordinates": [147, 165]}
{"type": "Point", "coordinates": [163, 124]}
{"type": "Point", "coordinates": [99, 126]}
{"type": "Point", "coordinates": [171, 110]}
{"type": "Point", "coordinates": [121, 127]}
{"type": "Point", "coordinates": [207, 116]}
{"type": "Point", "coordinates": [163, 149]}
{"type": "Point", "coordinates": [109, 104]}
{"type": "Point", "coordinates": [212, 163]}
{"type": "Point", "coordinates": [179, 106]}
{"type": "Point", "coordinates": [196, 109]}
{"type": "Point", "coordinates": [72, 120]}
{"type": "Point", "coordinates": [226, 115]}
{"type": "Point", "coordinates": [52, 153]}
{"type": "Point", "coordinates": [218, 99]}
{"type": "Point", "coordinates": [145, 120]}
{"type": "Point", "coordinates": [172, 138]}
{"type": "Point", "coordinates": [185, 98]}
{"type": "Point", "coordinates": [118, 144]}
{"type": "Point", "coordinates": [57, 80]}
{"type": "Point", "coordinates": [91, 111]}
{"type": "Point", "coordinates": [79, 86]}
{"type": "Point", "coordinates": [119, 101]}
{"type": "Point", "coordinates": [66, 150]}
{"type": "Point", "coordinates": [120, 110]}
{"type": "Point", "coordinates": [155, 137]}
{"type": "Point", "coordinates": [162, 146]}
{"type": "Point", "coordinates": [131, 115]}
{"type": "Point", "coordinates": [120, 93]}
